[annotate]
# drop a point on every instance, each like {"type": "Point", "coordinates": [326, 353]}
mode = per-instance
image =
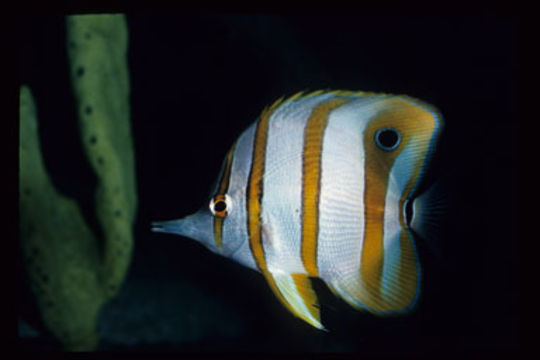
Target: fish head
{"type": "Point", "coordinates": [220, 224]}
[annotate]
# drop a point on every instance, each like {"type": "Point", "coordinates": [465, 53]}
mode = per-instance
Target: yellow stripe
{"type": "Point", "coordinates": [224, 183]}
{"type": "Point", "coordinates": [253, 202]}
{"type": "Point", "coordinates": [222, 189]}
{"type": "Point", "coordinates": [311, 181]}
{"type": "Point", "coordinates": [376, 180]}
{"type": "Point", "coordinates": [308, 295]}
{"type": "Point", "coordinates": [218, 231]}
{"type": "Point", "coordinates": [255, 189]}
{"type": "Point", "coordinates": [377, 169]}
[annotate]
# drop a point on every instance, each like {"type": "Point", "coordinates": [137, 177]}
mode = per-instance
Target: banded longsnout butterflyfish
{"type": "Point", "coordinates": [318, 186]}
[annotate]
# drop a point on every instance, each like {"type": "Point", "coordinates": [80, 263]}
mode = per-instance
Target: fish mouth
{"type": "Point", "coordinates": [195, 226]}
{"type": "Point", "coordinates": [167, 226]}
{"type": "Point", "coordinates": [156, 226]}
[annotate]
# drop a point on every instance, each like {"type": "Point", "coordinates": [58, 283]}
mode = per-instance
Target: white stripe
{"type": "Point", "coordinates": [235, 234]}
{"type": "Point", "coordinates": [282, 194]}
{"type": "Point", "coordinates": [399, 176]}
{"type": "Point", "coordinates": [341, 207]}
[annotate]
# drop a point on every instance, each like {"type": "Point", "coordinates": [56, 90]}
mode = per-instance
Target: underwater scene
{"type": "Point", "coordinates": [272, 184]}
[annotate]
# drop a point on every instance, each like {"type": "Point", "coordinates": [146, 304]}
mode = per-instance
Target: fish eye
{"type": "Point", "coordinates": [220, 205]}
{"type": "Point", "coordinates": [387, 139]}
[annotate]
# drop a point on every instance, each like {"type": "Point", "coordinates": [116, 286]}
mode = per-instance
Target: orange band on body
{"type": "Point", "coordinates": [311, 181]}
{"type": "Point", "coordinates": [222, 189]}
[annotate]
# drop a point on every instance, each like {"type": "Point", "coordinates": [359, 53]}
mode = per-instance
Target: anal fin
{"type": "Point", "coordinates": [395, 292]}
{"type": "Point", "coordinates": [297, 294]}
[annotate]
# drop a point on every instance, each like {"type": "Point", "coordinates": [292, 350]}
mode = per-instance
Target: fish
{"type": "Point", "coordinates": [322, 185]}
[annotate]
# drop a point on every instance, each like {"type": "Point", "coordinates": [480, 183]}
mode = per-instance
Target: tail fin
{"type": "Point", "coordinates": [430, 210]}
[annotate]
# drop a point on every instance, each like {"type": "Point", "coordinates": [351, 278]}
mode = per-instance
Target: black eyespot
{"type": "Point", "coordinates": [220, 206]}
{"type": "Point", "coordinates": [408, 212]}
{"type": "Point", "coordinates": [387, 139]}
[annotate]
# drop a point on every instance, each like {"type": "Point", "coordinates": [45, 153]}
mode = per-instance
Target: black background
{"type": "Point", "coordinates": [198, 80]}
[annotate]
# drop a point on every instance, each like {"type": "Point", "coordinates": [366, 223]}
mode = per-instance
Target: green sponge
{"type": "Point", "coordinates": [71, 272]}
{"type": "Point", "coordinates": [97, 50]}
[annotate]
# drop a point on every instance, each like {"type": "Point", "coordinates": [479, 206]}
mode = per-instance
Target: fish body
{"type": "Point", "coordinates": [319, 186]}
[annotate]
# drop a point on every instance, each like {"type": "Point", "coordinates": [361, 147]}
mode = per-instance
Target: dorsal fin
{"type": "Point", "coordinates": [305, 94]}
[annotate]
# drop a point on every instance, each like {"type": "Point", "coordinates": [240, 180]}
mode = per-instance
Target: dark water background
{"type": "Point", "coordinates": [198, 80]}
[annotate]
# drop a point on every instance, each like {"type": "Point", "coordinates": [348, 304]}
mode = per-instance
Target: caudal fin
{"type": "Point", "coordinates": [429, 213]}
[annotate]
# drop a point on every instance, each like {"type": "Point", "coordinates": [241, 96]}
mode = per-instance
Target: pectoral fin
{"type": "Point", "coordinates": [296, 293]}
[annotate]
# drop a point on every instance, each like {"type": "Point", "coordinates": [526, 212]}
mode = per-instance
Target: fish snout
{"type": "Point", "coordinates": [167, 226]}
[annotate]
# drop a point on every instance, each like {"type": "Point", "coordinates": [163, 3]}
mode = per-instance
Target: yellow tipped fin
{"type": "Point", "coordinates": [297, 294]}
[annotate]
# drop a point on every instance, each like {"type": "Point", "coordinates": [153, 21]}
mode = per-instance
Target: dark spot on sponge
{"type": "Point", "coordinates": [87, 36]}
{"type": "Point", "coordinates": [118, 213]}
{"type": "Point", "coordinates": [45, 278]}
{"type": "Point", "coordinates": [49, 303]}
{"type": "Point", "coordinates": [27, 191]}
{"type": "Point", "coordinates": [93, 140]}
{"type": "Point", "coordinates": [80, 71]}
{"type": "Point", "coordinates": [100, 160]}
{"type": "Point", "coordinates": [71, 45]}
{"type": "Point", "coordinates": [88, 110]}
